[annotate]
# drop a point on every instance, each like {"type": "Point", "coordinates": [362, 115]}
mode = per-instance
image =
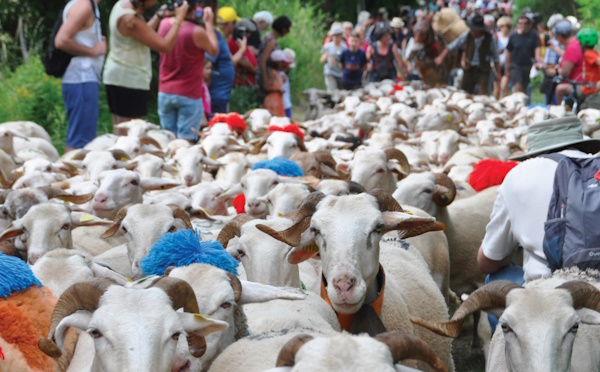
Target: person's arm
{"type": "Point", "coordinates": [566, 68]}
{"type": "Point", "coordinates": [135, 27]}
{"type": "Point", "coordinates": [324, 55]}
{"type": "Point", "coordinates": [264, 57]}
{"type": "Point", "coordinates": [79, 14]}
{"type": "Point", "coordinates": [506, 64]}
{"type": "Point", "coordinates": [399, 61]}
{"type": "Point", "coordinates": [247, 65]}
{"type": "Point", "coordinates": [237, 57]}
{"type": "Point", "coordinates": [205, 38]}
{"type": "Point", "coordinates": [538, 55]}
{"type": "Point", "coordinates": [598, 61]}
{"type": "Point", "coordinates": [489, 266]}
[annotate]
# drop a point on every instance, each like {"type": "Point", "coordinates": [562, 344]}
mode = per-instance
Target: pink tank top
{"type": "Point", "coordinates": [181, 70]}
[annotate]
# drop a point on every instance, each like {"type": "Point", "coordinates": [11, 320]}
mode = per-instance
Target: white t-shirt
{"type": "Point", "coordinates": [519, 213]}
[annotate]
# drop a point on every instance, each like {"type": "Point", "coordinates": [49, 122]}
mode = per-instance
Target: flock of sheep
{"type": "Point", "coordinates": [359, 232]}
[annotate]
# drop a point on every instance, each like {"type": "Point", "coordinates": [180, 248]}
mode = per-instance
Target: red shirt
{"type": "Point", "coordinates": [181, 70]}
{"type": "Point", "coordinates": [574, 54]}
{"type": "Point", "coordinates": [243, 77]}
{"type": "Point", "coordinates": [592, 70]}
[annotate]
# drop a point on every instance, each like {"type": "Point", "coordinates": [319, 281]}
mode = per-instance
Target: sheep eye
{"type": "Point", "coordinates": [175, 336]}
{"type": "Point", "coordinates": [124, 229]}
{"type": "Point", "coordinates": [48, 169]}
{"type": "Point", "coordinates": [66, 226]}
{"type": "Point", "coordinates": [379, 228]}
{"type": "Point", "coordinates": [94, 333]}
{"type": "Point", "coordinates": [505, 328]}
{"type": "Point", "coordinates": [241, 253]}
{"type": "Point", "coordinates": [135, 182]}
{"type": "Point", "coordinates": [575, 328]}
{"type": "Point", "coordinates": [380, 170]}
{"type": "Point", "coordinates": [226, 305]}
{"type": "Point", "coordinates": [172, 229]}
{"type": "Point", "coordinates": [315, 231]}
{"type": "Point", "coordinates": [428, 191]}
{"type": "Point", "coordinates": [114, 166]}
{"type": "Point", "coordinates": [136, 149]}
{"type": "Point", "coordinates": [84, 166]}
{"type": "Point", "coordinates": [189, 209]}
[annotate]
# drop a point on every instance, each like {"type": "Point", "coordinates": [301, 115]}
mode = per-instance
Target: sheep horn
{"type": "Point", "coordinates": [301, 219]}
{"type": "Point", "coordinates": [394, 153]}
{"type": "Point", "coordinates": [182, 295]}
{"type": "Point", "coordinates": [80, 296]}
{"type": "Point", "coordinates": [232, 229]}
{"type": "Point", "coordinates": [80, 154]}
{"type": "Point", "coordinates": [398, 134]}
{"type": "Point", "coordinates": [112, 229]}
{"type": "Point", "coordinates": [300, 142]}
{"type": "Point", "coordinates": [146, 140]}
{"type": "Point", "coordinates": [385, 201]}
{"type": "Point", "coordinates": [119, 154]}
{"type": "Point", "coordinates": [256, 149]}
{"type": "Point", "coordinates": [458, 109]}
{"type": "Point", "coordinates": [53, 192]}
{"type": "Point", "coordinates": [583, 294]}
{"type": "Point", "coordinates": [181, 214]}
{"type": "Point", "coordinates": [237, 287]}
{"type": "Point", "coordinates": [401, 121]}
{"type": "Point", "coordinates": [444, 191]}
{"type": "Point", "coordinates": [403, 345]}
{"type": "Point", "coordinates": [490, 296]}
{"type": "Point", "coordinates": [287, 355]}
{"type": "Point", "coordinates": [355, 187]}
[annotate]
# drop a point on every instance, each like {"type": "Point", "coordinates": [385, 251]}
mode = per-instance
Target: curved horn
{"type": "Point", "coordinates": [385, 201]}
{"type": "Point", "coordinates": [112, 229]}
{"type": "Point", "coordinates": [80, 154]}
{"type": "Point", "coordinates": [80, 296]}
{"type": "Point", "coordinates": [146, 140]}
{"type": "Point", "coordinates": [236, 285]}
{"type": "Point", "coordinates": [490, 296]}
{"type": "Point", "coordinates": [458, 109]}
{"type": "Point", "coordinates": [444, 191]}
{"type": "Point", "coordinates": [233, 228]}
{"type": "Point", "coordinates": [401, 121]}
{"type": "Point", "coordinates": [583, 294]}
{"type": "Point", "coordinates": [287, 355]}
{"type": "Point", "coordinates": [53, 192]}
{"type": "Point", "coordinates": [182, 215]}
{"type": "Point", "coordinates": [258, 145]}
{"type": "Point", "coordinates": [403, 345]}
{"type": "Point", "coordinates": [355, 187]}
{"type": "Point", "coordinates": [301, 219]}
{"type": "Point", "coordinates": [119, 154]}
{"type": "Point", "coordinates": [398, 134]}
{"type": "Point", "coordinates": [300, 142]}
{"type": "Point", "coordinates": [394, 153]}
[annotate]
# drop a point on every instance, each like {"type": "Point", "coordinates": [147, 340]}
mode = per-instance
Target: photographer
{"type": "Point", "coordinates": [245, 64]}
{"type": "Point", "coordinates": [180, 79]}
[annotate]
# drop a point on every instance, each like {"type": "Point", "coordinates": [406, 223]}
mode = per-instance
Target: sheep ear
{"type": "Point", "coordinates": [80, 320]}
{"type": "Point", "coordinates": [156, 183]}
{"type": "Point", "coordinates": [588, 316]}
{"type": "Point", "coordinates": [409, 225]}
{"type": "Point", "coordinates": [307, 249]}
{"type": "Point", "coordinates": [397, 168]}
{"type": "Point", "coordinates": [256, 292]}
{"type": "Point", "coordinates": [13, 230]}
{"type": "Point", "coordinates": [200, 325]}
{"type": "Point", "coordinates": [343, 170]}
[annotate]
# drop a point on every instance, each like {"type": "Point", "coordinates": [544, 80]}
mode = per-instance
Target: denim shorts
{"type": "Point", "coordinates": [178, 114]}
{"type": "Point", "coordinates": [81, 104]}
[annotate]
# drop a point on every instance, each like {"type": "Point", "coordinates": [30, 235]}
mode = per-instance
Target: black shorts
{"type": "Point", "coordinates": [127, 102]}
{"type": "Point", "coordinates": [519, 75]}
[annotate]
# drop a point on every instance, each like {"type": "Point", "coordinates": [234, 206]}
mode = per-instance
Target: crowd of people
{"type": "Point", "coordinates": [203, 56]}
{"type": "Point", "coordinates": [493, 55]}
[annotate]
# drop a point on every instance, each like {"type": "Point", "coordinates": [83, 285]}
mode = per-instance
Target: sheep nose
{"type": "Point", "coordinates": [100, 198]}
{"type": "Point", "coordinates": [344, 283]}
{"type": "Point", "coordinates": [33, 259]}
{"type": "Point", "coordinates": [444, 158]}
{"type": "Point", "coordinates": [253, 204]}
{"type": "Point", "coordinates": [188, 178]}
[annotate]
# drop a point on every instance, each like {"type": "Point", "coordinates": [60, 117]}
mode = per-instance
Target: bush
{"type": "Point", "coordinates": [243, 98]}
{"type": "Point", "coordinates": [305, 38]}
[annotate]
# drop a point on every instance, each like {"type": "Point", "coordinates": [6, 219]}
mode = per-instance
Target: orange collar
{"type": "Point", "coordinates": [346, 319]}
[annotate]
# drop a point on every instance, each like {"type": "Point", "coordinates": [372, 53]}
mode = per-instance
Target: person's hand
{"type": "Point", "coordinates": [181, 11]}
{"type": "Point", "coordinates": [208, 15]}
{"type": "Point", "coordinates": [438, 60]}
{"type": "Point", "coordinates": [100, 48]}
{"type": "Point", "coordinates": [242, 43]}
{"type": "Point", "coordinates": [164, 12]}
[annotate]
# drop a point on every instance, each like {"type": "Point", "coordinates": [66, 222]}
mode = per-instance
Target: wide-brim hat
{"type": "Point", "coordinates": [475, 23]}
{"type": "Point", "coordinates": [397, 22]}
{"type": "Point", "coordinates": [555, 135]}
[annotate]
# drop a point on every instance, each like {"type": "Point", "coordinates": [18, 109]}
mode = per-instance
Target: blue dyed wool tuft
{"type": "Point", "coordinates": [183, 248]}
{"type": "Point", "coordinates": [15, 275]}
{"type": "Point", "coordinates": [281, 166]}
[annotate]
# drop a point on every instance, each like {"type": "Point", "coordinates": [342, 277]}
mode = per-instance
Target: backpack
{"type": "Point", "coordinates": [572, 229]}
{"type": "Point", "coordinates": [55, 60]}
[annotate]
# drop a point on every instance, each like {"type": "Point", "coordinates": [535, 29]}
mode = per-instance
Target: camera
{"type": "Point", "coordinates": [171, 4]}
{"type": "Point", "coordinates": [239, 33]}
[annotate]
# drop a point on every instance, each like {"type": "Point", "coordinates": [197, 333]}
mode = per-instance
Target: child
{"type": "Point", "coordinates": [206, 94]}
{"type": "Point", "coordinates": [353, 63]}
{"type": "Point", "coordinates": [588, 38]}
{"type": "Point", "coordinates": [277, 62]}
{"type": "Point", "coordinates": [287, 101]}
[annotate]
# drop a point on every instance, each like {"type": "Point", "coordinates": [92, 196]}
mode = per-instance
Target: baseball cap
{"type": "Point", "coordinates": [563, 28]}
{"type": "Point", "coordinates": [227, 14]}
{"type": "Point", "coordinates": [279, 56]}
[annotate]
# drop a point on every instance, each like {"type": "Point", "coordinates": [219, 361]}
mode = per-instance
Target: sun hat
{"type": "Point", "coordinates": [475, 23]}
{"type": "Point", "coordinates": [336, 30]}
{"type": "Point", "coordinates": [555, 135]}
{"type": "Point", "coordinates": [227, 14]}
{"type": "Point", "coordinates": [563, 28]}
{"type": "Point", "coordinates": [554, 19]}
{"type": "Point", "coordinates": [263, 15]}
{"type": "Point", "coordinates": [279, 56]}
{"type": "Point", "coordinates": [397, 22]}
{"type": "Point", "coordinates": [574, 23]}
{"type": "Point", "coordinates": [291, 55]}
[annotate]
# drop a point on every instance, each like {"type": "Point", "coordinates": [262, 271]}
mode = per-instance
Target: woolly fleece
{"type": "Point", "coordinates": [15, 275]}
{"type": "Point", "coordinates": [183, 248]}
{"type": "Point", "coordinates": [281, 166]}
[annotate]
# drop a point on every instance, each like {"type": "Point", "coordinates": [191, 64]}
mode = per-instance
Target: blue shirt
{"type": "Point", "coordinates": [353, 63]}
{"type": "Point", "coordinates": [223, 72]}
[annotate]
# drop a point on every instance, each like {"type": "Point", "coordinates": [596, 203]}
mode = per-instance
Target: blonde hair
{"type": "Point", "coordinates": [504, 20]}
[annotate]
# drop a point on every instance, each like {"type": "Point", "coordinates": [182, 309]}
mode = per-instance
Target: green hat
{"type": "Point", "coordinates": [555, 135]}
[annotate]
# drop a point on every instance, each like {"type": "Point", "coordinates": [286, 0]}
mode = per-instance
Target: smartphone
{"type": "Point", "coordinates": [239, 33]}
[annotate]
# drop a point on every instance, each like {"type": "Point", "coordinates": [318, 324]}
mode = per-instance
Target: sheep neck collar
{"type": "Point", "coordinates": [346, 320]}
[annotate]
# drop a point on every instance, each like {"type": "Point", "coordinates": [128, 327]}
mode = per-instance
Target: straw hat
{"type": "Point", "coordinates": [397, 23]}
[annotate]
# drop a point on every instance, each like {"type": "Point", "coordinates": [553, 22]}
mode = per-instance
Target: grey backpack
{"type": "Point", "coordinates": [572, 229]}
